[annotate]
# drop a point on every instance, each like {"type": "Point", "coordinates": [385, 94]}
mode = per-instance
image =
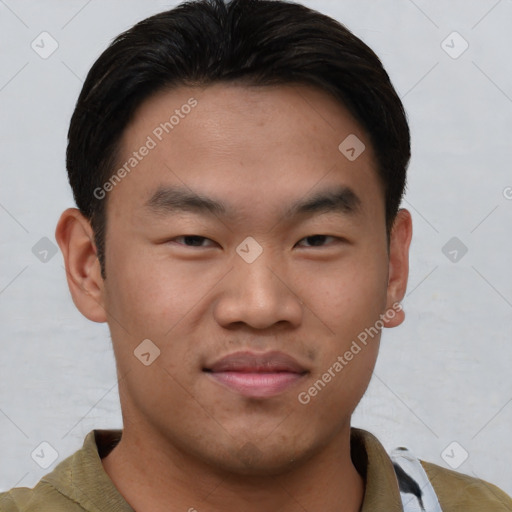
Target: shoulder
{"type": "Point", "coordinates": [66, 487]}
{"type": "Point", "coordinates": [7, 502]}
{"type": "Point", "coordinates": [457, 491]}
{"type": "Point", "coordinates": [41, 498]}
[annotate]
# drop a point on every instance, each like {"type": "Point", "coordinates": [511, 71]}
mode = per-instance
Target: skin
{"type": "Point", "coordinates": [188, 442]}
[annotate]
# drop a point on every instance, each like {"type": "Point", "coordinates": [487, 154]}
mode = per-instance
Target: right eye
{"type": "Point", "coordinates": [190, 240]}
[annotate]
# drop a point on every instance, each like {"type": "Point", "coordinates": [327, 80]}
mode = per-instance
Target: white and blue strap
{"type": "Point", "coordinates": [416, 491]}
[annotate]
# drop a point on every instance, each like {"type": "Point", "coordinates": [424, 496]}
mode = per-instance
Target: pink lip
{"type": "Point", "coordinates": [256, 375]}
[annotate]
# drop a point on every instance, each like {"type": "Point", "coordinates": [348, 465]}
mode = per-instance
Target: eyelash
{"type": "Point", "coordinates": [204, 238]}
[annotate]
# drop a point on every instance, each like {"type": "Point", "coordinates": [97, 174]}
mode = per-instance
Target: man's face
{"type": "Point", "coordinates": [250, 281]}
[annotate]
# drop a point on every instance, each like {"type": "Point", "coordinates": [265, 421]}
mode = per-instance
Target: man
{"type": "Point", "coordinates": [238, 171]}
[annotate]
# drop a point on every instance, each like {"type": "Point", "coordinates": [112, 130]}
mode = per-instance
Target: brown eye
{"type": "Point", "coordinates": [317, 240]}
{"type": "Point", "coordinates": [191, 240]}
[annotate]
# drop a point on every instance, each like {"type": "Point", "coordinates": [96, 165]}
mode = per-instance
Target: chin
{"type": "Point", "coordinates": [261, 460]}
{"type": "Point", "coordinates": [250, 461]}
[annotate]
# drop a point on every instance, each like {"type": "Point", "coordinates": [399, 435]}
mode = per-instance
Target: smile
{"type": "Point", "coordinates": [256, 375]}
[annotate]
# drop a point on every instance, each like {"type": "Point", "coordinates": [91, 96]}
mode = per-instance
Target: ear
{"type": "Point", "coordinates": [398, 272]}
{"type": "Point", "coordinates": [75, 237]}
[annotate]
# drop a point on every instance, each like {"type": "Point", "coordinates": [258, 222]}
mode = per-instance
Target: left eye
{"type": "Point", "coordinates": [317, 240]}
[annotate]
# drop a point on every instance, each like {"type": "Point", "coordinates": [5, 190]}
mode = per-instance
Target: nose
{"type": "Point", "coordinates": [259, 295]}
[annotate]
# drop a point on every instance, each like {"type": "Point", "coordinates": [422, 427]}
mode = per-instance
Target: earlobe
{"type": "Point", "coordinates": [400, 240]}
{"type": "Point", "coordinates": [75, 237]}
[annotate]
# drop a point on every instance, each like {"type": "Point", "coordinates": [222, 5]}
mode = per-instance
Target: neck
{"type": "Point", "coordinates": [154, 479]}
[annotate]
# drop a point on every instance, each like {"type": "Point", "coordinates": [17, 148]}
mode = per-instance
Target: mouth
{"type": "Point", "coordinates": [256, 375]}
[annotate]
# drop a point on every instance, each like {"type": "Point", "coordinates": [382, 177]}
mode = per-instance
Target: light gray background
{"type": "Point", "coordinates": [443, 376]}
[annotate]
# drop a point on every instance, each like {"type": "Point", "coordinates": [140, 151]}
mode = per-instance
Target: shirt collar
{"type": "Point", "coordinates": [82, 479]}
{"type": "Point", "coordinates": [374, 465]}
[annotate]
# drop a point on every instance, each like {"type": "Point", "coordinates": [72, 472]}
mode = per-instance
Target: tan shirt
{"type": "Point", "coordinates": [80, 483]}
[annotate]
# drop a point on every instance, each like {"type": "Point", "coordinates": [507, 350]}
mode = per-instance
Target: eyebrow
{"type": "Point", "coordinates": [177, 199]}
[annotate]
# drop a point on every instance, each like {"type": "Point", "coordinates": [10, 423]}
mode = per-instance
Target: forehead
{"type": "Point", "coordinates": [258, 146]}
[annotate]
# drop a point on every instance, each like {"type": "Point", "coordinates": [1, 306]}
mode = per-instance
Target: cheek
{"type": "Point", "coordinates": [353, 298]}
{"type": "Point", "coordinates": [152, 294]}
{"type": "Point", "coordinates": [348, 295]}
{"type": "Point", "coordinates": [154, 300]}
